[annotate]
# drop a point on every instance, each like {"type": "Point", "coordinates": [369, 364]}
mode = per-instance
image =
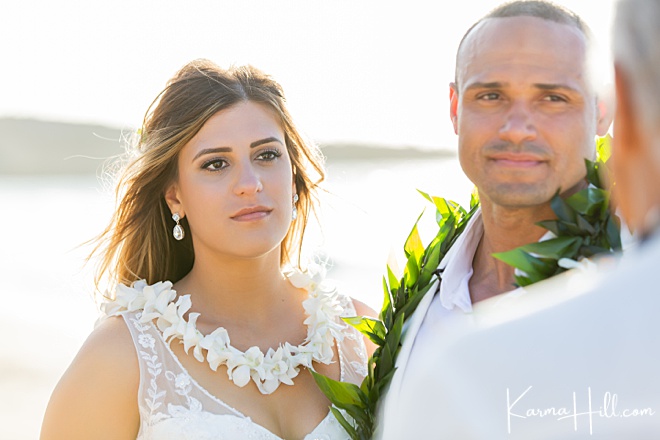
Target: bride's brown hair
{"type": "Point", "coordinates": [138, 242]}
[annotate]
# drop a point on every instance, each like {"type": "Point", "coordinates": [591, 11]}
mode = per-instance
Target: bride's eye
{"type": "Point", "coordinates": [215, 164]}
{"type": "Point", "coordinates": [269, 155]}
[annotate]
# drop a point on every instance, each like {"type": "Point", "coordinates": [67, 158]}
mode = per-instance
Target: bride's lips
{"type": "Point", "coordinates": [251, 213]}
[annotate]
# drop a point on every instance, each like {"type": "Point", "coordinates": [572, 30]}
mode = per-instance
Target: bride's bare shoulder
{"type": "Point", "coordinates": [109, 348]}
{"type": "Point", "coordinates": [97, 395]}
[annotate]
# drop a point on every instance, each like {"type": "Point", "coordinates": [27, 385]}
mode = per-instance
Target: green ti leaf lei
{"type": "Point", "coordinates": [584, 227]}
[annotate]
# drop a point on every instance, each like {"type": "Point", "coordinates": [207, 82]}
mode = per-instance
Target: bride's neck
{"type": "Point", "coordinates": [236, 287]}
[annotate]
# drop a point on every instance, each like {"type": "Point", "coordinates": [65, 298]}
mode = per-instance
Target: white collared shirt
{"type": "Point", "coordinates": [457, 270]}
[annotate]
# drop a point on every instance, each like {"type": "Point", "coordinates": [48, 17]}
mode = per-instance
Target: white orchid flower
{"type": "Point", "coordinates": [241, 375]}
{"type": "Point", "coordinates": [192, 337]}
{"type": "Point", "coordinates": [157, 297]}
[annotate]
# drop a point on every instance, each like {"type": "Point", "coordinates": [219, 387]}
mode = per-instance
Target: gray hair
{"type": "Point", "coordinates": [636, 46]}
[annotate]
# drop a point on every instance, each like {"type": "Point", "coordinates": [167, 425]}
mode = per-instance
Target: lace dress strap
{"type": "Point", "coordinates": [352, 351]}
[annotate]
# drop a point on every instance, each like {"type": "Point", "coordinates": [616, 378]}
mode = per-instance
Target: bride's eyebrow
{"type": "Point", "coordinates": [265, 141]}
{"type": "Point", "coordinates": [211, 151]}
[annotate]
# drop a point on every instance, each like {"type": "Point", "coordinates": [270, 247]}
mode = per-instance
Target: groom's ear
{"type": "Point", "coordinates": [453, 105]}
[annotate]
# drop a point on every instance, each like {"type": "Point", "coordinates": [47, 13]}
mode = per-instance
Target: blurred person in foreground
{"type": "Point", "coordinates": [586, 367]}
{"type": "Point", "coordinates": [213, 325]}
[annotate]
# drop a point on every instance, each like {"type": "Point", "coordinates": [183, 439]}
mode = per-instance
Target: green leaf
{"type": "Point", "coordinates": [604, 209]}
{"type": "Point", "coordinates": [589, 201]}
{"type": "Point", "coordinates": [426, 196]}
{"type": "Point", "coordinates": [446, 210]}
{"type": "Point", "coordinates": [368, 382]}
{"type": "Point", "coordinates": [605, 177]}
{"type": "Point", "coordinates": [593, 176]}
{"type": "Point", "coordinates": [564, 212]}
{"type": "Point", "coordinates": [550, 225]}
{"type": "Point", "coordinates": [360, 414]}
{"type": "Point", "coordinates": [584, 226]}
{"type": "Point", "coordinates": [549, 270]}
{"type": "Point", "coordinates": [444, 206]}
{"type": "Point", "coordinates": [474, 198]}
{"type": "Point", "coordinates": [400, 297]}
{"type": "Point", "coordinates": [413, 245]}
{"type": "Point", "coordinates": [614, 233]}
{"type": "Point", "coordinates": [372, 328]}
{"type": "Point", "coordinates": [392, 279]}
{"type": "Point", "coordinates": [571, 229]}
{"type": "Point", "coordinates": [386, 311]}
{"type": "Point", "coordinates": [390, 349]}
{"type": "Point", "coordinates": [386, 359]}
{"type": "Point", "coordinates": [591, 250]}
{"type": "Point", "coordinates": [344, 423]}
{"type": "Point", "coordinates": [341, 394]}
{"type": "Point", "coordinates": [414, 300]}
{"type": "Point", "coordinates": [523, 261]}
{"type": "Point", "coordinates": [430, 263]}
{"type": "Point", "coordinates": [522, 281]}
{"type": "Point", "coordinates": [394, 334]}
{"type": "Point", "coordinates": [411, 272]}
{"type": "Point", "coordinates": [385, 380]}
{"type": "Point", "coordinates": [554, 248]}
{"type": "Point", "coordinates": [442, 236]}
{"type": "Point", "coordinates": [604, 148]}
{"type": "Point", "coordinates": [458, 210]}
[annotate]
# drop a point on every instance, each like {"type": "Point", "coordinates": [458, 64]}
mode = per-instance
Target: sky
{"type": "Point", "coordinates": [367, 71]}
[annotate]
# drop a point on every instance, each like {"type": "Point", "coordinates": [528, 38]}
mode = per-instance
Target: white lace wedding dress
{"type": "Point", "coordinates": [174, 406]}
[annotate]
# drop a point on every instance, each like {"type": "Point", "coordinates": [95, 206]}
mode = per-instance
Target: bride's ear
{"type": "Point", "coordinates": [173, 200]}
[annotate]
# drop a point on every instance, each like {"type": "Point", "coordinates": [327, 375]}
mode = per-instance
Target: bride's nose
{"type": "Point", "coordinates": [248, 181]}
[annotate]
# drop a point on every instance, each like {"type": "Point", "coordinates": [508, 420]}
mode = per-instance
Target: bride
{"type": "Point", "coordinates": [214, 200]}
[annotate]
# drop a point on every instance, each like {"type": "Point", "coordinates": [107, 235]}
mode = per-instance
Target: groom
{"type": "Point", "coordinates": [587, 367]}
{"type": "Point", "coordinates": [526, 115]}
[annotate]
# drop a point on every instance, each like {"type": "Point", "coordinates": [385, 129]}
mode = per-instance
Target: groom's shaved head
{"type": "Point", "coordinates": [528, 8]}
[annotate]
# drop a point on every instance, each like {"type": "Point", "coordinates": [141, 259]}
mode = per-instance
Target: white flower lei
{"type": "Point", "coordinates": [322, 306]}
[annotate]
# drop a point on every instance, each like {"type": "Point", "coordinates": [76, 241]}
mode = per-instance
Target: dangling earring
{"type": "Point", "coordinates": [178, 229]}
{"type": "Point", "coordinates": [294, 212]}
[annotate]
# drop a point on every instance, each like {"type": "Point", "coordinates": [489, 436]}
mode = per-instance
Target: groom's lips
{"type": "Point", "coordinates": [517, 160]}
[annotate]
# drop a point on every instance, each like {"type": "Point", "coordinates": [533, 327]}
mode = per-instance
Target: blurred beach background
{"type": "Point", "coordinates": [365, 80]}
